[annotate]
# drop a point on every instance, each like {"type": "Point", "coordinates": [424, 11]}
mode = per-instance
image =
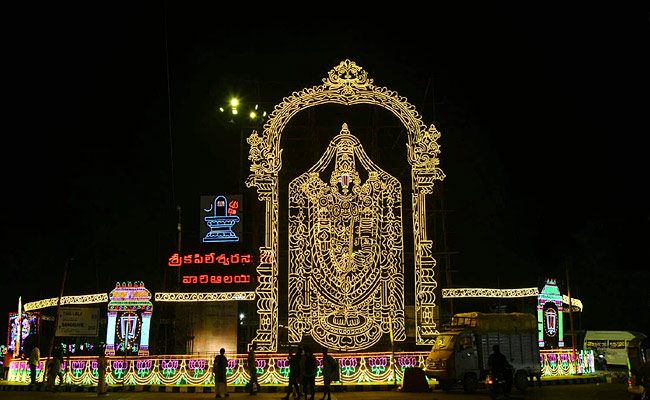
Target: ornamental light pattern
{"type": "Point", "coordinates": [346, 84]}
{"type": "Point", "coordinates": [346, 266]}
{"type": "Point", "coordinates": [65, 300]}
{"type": "Point", "coordinates": [185, 370]}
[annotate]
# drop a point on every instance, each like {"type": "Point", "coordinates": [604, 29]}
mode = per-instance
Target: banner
{"type": "Point", "coordinates": [78, 321]}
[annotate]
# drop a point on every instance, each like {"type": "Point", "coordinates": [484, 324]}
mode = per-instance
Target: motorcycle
{"type": "Point", "coordinates": [497, 384]}
{"type": "Point", "coordinates": [639, 387]}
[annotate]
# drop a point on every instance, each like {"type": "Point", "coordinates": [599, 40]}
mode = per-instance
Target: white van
{"type": "Point", "coordinates": [609, 346]}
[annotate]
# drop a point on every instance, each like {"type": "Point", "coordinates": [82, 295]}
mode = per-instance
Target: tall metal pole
{"type": "Point", "coordinates": [58, 308]}
{"type": "Point", "coordinates": [19, 324]}
{"type": "Point", "coordinates": [573, 336]}
{"type": "Point", "coordinates": [178, 227]}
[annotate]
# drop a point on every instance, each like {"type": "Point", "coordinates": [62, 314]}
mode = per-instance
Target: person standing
{"type": "Point", "coordinates": [309, 367]}
{"type": "Point", "coordinates": [53, 371]}
{"type": "Point", "coordinates": [330, 373]}
{"type": "Point", "coordinates": [219, 370]}
{"type": "Point", "coordinates": [102, 363]}
{"type": "Point", "coordinates": [7, 363]}
{"type": "Point", "coordinates": [58, 357]}
{"type": "Point", "coordinates": [34, 359]}
{"type": "Point", "coordinates": [294, 372]}
{"type": "Point", "coordinates": [252, 369]}
{"type": "Point", "coordinates": [50, 375]}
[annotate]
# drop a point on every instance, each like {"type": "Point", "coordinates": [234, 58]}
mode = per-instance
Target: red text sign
{"type": "Point", "coordinates": [176, 260]}
{"type": "Point", "coordinates": [216, 279]}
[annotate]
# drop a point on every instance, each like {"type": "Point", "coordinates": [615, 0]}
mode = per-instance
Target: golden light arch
{"type": "Point", "coordinates": [346, 84]}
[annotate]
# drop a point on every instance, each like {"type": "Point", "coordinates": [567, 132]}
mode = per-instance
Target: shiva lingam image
{"type": "Point", "coordinates": [220, 223]}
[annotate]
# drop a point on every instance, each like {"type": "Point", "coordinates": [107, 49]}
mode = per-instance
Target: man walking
{"type": "Point", "coordinates": [330, 373]}
{"type": "Point", "coordinates": [309, 368]}
{"type": "Point", "coordinates": [219, 370]}
{"type": "Point", "coordinates": [252, 369]}
{"type": "Point", "coordinates": [294, 373]}
{"type": "Point", "coordinates": [34, 359]}
{"type": "Point", "coordinates": [102, 363]}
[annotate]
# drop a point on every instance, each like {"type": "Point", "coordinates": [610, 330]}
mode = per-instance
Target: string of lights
{"type": "Point", "coordinates": [272, 369]}
{"type": "Point", "coordinates": [456, 293]}
{"type": "Point", "coordinates": [575, 303]}
{"type": "Point", "coordinates": [67, 300]}
{"type": "Point", "coordinates": [483, 292]}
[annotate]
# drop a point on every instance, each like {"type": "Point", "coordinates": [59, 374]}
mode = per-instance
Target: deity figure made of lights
{"type": "Point", "coordinates": [129, 319]}
{"type": "Point", "coordinates": [346, 266]}
{"type": "Point", "coordinates": [347, 84]}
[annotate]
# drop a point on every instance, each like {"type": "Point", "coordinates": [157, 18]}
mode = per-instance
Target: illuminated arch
{"type": "Point", "coordinates": [346, 84]}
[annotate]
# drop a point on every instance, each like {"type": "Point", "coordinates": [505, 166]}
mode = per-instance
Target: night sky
{"type": "Point", "coordinates": [543, 114]}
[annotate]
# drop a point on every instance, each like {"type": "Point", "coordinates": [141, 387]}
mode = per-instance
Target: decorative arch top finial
{"type": "Point", "coordinates": [347, 77]}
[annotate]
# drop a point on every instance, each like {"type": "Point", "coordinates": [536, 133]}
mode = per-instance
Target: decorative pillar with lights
{"type": "Point", "coordinates": [129, 318]}
{"type": "Point", "coordinates": [549, 316]}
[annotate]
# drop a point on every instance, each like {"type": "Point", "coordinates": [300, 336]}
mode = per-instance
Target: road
{"type": "Point", "coordinates": [593, 391]}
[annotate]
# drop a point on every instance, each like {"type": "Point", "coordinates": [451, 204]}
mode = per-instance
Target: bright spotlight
{"type": "Point", "coordinates": [234, 102]}
{"type": "Point", "coordinates": [252, 114]}
{"type": "Point", "coordinates": [241, 316]}
{"type": "Point", "coordinates": [221, 109]}
{"type": "Point", "coordinates": [234, 111]}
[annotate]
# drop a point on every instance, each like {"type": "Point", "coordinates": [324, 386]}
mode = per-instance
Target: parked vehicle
{"type": "Point", "coordinates": [638, 356]}
{"type": "Point", "coordinates": [461, 351]}
{"type": "Point", "coordinates": [609, 346]}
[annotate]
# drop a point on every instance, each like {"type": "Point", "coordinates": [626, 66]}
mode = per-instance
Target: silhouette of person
{"type": "Point", "coordinates": [252, 369]}
{"type": "Point", "coordinates": [219, 371]}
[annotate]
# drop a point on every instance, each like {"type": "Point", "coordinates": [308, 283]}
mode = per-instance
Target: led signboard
{"type": "Point", "coordinates": [176, 260]}
{"type": "Point", "coordinates": [215, 272]}
{"type": "Point", "coordinates": [220, 218]}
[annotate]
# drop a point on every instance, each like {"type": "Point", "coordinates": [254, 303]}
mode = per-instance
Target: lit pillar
{"type": "Point", "coordinates": [144, 334]}
{"type": "Point", "coordinates": [540, 324]}
{"type": "Point", "coordinates": [110, 333]}
{"type": "Point", "coordinates": [560, 317]}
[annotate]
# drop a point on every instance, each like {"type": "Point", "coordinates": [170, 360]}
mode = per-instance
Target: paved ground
{"type": "Point", "coordinates": [595, 391]}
